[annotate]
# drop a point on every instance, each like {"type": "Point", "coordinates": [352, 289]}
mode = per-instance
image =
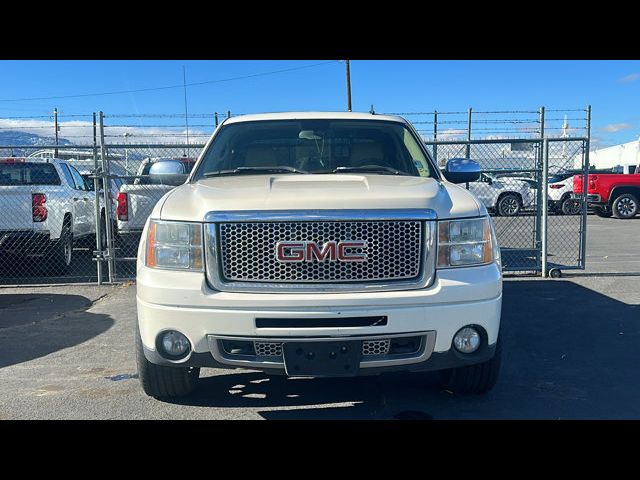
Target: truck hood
{"type": "Point", "coordinates": [192, 201]}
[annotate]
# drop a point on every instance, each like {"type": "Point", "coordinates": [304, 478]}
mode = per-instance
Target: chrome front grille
{"type": "Point", "coordinates": [241, 253]}
{"type": "Point", "coordinates": [248, 251]}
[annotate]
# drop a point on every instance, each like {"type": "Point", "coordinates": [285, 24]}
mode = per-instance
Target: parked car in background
{"type": "Point", "coordinates": [611, 194]}
{"type": "Point", "coordinates": [506, 196]}
{"type": "Point", "coordinates": [560, 194]}
{"type": "Point", "coordinates": [155, 178]}
{"type": "Point", "coordinates": [46, 206]}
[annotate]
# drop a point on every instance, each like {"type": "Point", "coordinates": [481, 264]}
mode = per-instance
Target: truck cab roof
{"type": "Point", "coordinates": [314, 116]}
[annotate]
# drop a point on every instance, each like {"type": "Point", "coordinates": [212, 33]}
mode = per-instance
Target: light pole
{"type": "Point", "coordinates": [126, 152]}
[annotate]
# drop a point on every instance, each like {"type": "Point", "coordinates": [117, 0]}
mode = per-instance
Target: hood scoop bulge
{"type": "Point", "coordinates": [320, 182]}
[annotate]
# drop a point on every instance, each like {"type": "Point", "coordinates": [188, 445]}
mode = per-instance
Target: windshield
{"type": "Point", "coordinates": [314, 146]}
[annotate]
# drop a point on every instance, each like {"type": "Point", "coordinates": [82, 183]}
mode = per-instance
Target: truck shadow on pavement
{"type": "Point", "coordinates": [569, 352]}
{"type": "Point", "coordinates": [33, 325]}
{"type": "Point", "coordinates": [32, 271]}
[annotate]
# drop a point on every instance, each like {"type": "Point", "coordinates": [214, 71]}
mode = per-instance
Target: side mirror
{"type": "Point", "coordinates": [462, 170]}
{"type": "Point", "coordinates": [167, 172]}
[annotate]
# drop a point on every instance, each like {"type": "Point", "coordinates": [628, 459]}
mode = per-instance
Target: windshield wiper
{"type": "Point", "coordinates": [242, 170]}
{"type": "Point", "coordinates": [370, 168]}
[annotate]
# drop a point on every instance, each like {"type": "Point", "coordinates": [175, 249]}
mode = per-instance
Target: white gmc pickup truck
{"type": "Point", "coordinates": [319, 245]}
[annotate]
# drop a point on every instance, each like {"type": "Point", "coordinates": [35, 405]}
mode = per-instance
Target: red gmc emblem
{"type": "Point", "coordinates": [311, 251]}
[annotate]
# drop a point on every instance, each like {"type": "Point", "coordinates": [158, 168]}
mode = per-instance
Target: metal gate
{"type": "Point", "coordinates": [134, 193]}
{"type": "Point", "coordinates": [539, 227]}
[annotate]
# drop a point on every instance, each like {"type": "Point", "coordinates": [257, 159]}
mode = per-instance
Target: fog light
{"type": "Point", "coordinates": [467, 340]}
{"type": "Point", "coordinates": [174, 344]}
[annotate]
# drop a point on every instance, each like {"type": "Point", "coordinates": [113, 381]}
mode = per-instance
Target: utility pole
{"type": "Point", "coordinates": [468, 152]}
{"type": "Point", "coordinates": [186, 117]}
{"type": "Point", "coordinates": [348, 86]}
{"type": "Point", "coordinates": [55, 123]}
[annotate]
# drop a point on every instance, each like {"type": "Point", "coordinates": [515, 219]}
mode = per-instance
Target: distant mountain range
{"type": "Point", "coordinates": [13, 137]}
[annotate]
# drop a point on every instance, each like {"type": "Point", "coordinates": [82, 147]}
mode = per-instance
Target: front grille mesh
{"type": "Point", "coordinates": [248, 251]}
{"type": "Point", "coordinates": [376, 347]}
{"type": "Point", "coordinates": [267, 349]}
{"type": "Point", "coordinates": [369, 347]}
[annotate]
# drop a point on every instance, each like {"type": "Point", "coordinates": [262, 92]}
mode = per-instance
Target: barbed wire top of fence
{"type": "Point", "coordinates": [62, 128]}
{"type": "Point", "coordinates": [497, 124]}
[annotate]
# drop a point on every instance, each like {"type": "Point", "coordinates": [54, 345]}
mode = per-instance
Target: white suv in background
{"type": "Point", "coordinates": [506, 196]}
{"type": "Point", "coordinates": [559, 193]}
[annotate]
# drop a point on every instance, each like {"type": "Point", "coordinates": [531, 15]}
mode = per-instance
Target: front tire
{"type": "Point", "coordinates": [474, 379]}
{"type": "Point", "coordinates": [571, 206]}
{"type": "Point", "coordinates": [625, 206]}
{"type": "Point", "coordinates": [164, 382]}
{"type": "Point", "coordinates": [62, 254]}
{"type": "Point", "coordinates": [509, 205]}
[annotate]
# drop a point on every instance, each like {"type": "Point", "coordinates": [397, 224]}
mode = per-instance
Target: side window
{"type": "Point", "coordinates": [77, 179]}
{"type": "Point", "coordinates": [67, 175]}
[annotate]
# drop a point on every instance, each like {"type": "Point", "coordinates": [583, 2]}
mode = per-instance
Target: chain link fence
{"type": "Point", "coordinates": [136, 191]}
{"type": "Point", "coordinates": [91, 232]}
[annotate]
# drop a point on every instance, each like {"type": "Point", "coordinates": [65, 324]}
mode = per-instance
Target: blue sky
{"type": "Point", "coordinates": [611, 87]}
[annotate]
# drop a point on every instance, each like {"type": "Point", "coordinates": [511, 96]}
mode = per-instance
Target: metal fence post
{"type": "Point", "coordinates": [543, 225]}
{"type": "Point", "coordinates": [468, 152]}
{"type": "Point", "coordinates": [55, 126]}
{"type": "Point", "coordinates": [435, 137]}
{"type": "Point", "coordinates": [96, 183]}
{"type": "Point", "coordinates": [585, 176]}
{"type": "Point", "coordinates": [106, 187]}
{"type": "Point", "coordinates": [542, 189]}
{"type": "Point", "coordinates": [216, 118]}
{"type": "Point", "coordinates": [228, 113]}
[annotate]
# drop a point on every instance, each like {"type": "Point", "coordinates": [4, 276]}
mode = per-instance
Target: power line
{"type": "Point", "coordinates": [182, 85]}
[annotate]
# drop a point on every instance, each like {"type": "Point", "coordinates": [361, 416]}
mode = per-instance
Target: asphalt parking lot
{"type": "Point", "coordinates": [570, 352]}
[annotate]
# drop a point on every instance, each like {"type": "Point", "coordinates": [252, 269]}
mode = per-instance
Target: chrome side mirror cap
{"type": "Point", "coordinates": [462, 170]}
{"type": "Point", "coordinates": [168, 172]}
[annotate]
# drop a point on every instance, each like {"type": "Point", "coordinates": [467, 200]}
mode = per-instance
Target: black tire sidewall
{"type": "Point", "coordinates": [614, 206]}
{"type": "Point", "coordinates": [602, 212]}
{"type": "Point", "coordinates": [502, 199]}
{"type": "Point", "coordinates": [58, 261]}
{"type": "Point", "coordinates": [564, 206]}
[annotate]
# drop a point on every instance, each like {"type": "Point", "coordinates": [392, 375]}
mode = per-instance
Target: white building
{"type": "Point", "coordinates": [624, 157]}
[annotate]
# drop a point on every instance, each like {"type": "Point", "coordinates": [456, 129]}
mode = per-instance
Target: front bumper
{"type": "Point", "coordinates": [592, 198]}
{"type": "Point", "coordinates": [458, 297]}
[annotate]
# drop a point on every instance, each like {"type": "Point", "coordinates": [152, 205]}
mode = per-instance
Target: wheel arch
{"type": "Point", "coordinates": [621, 190]}
{"type": "Point", "coordinates": [509, 192]}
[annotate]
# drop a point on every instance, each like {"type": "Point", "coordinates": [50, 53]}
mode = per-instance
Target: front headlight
{"type": "Point", "coordinates": [468, 242]}
{"type": "Point", "coordinates": [174, 245]}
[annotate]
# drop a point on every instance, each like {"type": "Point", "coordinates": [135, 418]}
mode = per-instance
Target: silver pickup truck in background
{"type": "Point", "coordinates": [47, 206]}
{"type": "Point", "coordinates": [155, 177]}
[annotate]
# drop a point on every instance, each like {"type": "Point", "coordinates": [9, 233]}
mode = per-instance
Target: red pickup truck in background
{"type": "Point", "coordinates": [611, 193]}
